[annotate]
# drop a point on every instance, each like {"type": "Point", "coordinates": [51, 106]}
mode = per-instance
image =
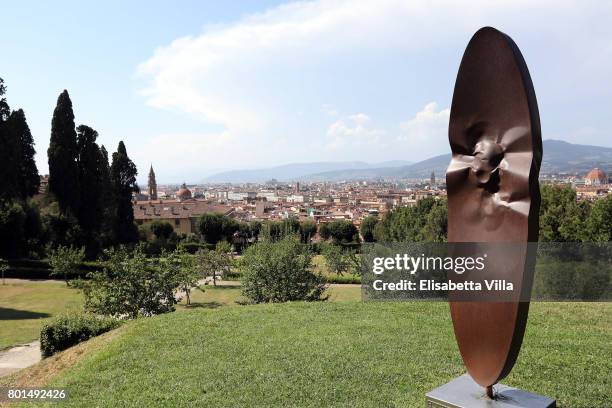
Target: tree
{"type": "Point", "coordinates": [185, 270]}
{"type": "Point", "coordinates": [12, 230]}
{"type": "Point", "coordinates": [215, 227]}
{"type": "Point", "coordinates": [4, 266]}
{"type": "Point", "coordinates": [343, 231]}
{"type": "Point", "coordinates": [367, 228]}
{"type": "Point", "coordinates": [598, 225]}
{"type": "Point", "coordinates": [5, 111]}
{"type": "Point", "coordinates": [411, 224]}
{"type": "Point", "coordinates": [161, 229]}
{"type": "Point", "coordinates": [436, 224]}
{"type": "Point", "coordinates": [91, 170]}
{"type": "Point", "coordinates": [62, 155]}
{"type": "Point", "coordinates": [213, 263]}
{"type": "Point", "coordinates": [108, 200]}
{"type": "Point", "coordinates": [9, 169]}
{"type": "Point", "coordinates": [123, 180]}
{"type": "Point", "coordinates": [9, 149]}
{"type": "Point", "coordinates": [130, 285]}
{"type": "Point", "coordinates": [277, 230]}
{"type": "Point", "coordinates": [324, 231]}
{"type": "Point", "coordinates": [339, 260]}
{"type": "Point", "coordinates": [27, 178]}
{"type": "Point", "coordinates": [308, 229]}
{"type": "Point", "coordinates": [66, 261]}
{"type": "Point", "coordinates": [280, 272]}
{"type": "Point", "coordinates": [561, 216]}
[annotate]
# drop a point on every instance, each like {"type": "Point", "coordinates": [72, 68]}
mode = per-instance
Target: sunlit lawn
{"type": "Point", "coordinates": [340, 354]}
{"type": "Point", "coordinates": [216, 296]}
{"type": "Point", "coordinates": [26, 305]}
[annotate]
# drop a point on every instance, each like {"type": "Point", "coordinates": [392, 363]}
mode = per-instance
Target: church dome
{"type": "Point", "coordinates": [184, 193]}
{"type": "Point", "coordinates": [596, 176]}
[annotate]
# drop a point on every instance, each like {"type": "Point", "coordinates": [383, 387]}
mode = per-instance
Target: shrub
{"type": "Point", "coordinates": [131, 285]}
{"type": "Point", "coordinates": [161, 229]}
{"type": "Point", "coordinates": [66, 261]}
{"type": "Point", "coordinates": [343, 279]}
{"type": "Point", "coordinates": [340, 260]}
{"type": "Point", "coordinates": [70, 329]}
{"type": "Point", "coordinates": [280, 272]}
{"type": "Point", "coordinates": [342, 231]}
{"type": "Point", "coordinates": [367, 228]}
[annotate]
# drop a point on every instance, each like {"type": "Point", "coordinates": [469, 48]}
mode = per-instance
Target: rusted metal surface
{"type": "Point", "coordinates": [493, 192]}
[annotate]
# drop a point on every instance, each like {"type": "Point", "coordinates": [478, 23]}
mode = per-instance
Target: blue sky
{"type": "Point", "coordinates": [200, 86]}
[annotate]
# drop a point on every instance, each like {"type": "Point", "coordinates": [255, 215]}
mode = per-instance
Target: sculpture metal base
{"type": "Point", "coordinates": [463, 392]}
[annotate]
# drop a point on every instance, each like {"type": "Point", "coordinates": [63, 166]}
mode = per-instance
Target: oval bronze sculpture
{"type": "Point", "coordinates": [493, 193]}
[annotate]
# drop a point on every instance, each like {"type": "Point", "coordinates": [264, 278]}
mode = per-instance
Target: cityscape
{"type": "Point", "coordinates": [306, 203]}
{"type": "Point", "coordinates": [322, 202]}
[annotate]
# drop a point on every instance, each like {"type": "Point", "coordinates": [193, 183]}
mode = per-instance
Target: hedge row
{"type": "Point", "coordinates": [40, 269]}
{"type": "Point", "coordinates": [343, 279]}
{"type": "Point", "coordinates": [70, 329]}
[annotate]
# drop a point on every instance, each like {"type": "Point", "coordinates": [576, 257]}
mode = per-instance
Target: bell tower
{"type": "Point", "coordinates": [152, 185]}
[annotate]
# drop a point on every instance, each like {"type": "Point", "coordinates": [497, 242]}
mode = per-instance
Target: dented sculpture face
{"type": "Point", "coordinates": [493, 192]}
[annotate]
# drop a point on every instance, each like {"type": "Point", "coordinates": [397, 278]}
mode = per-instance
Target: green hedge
{"type": "Point", "coordinates": [70, 329]}
{"type": "Point", "coordinates": [40, 269]}
{"type": "Point", "coordinates": [343, 279]}
{"type": "Point", "coordinates": [193, 247]}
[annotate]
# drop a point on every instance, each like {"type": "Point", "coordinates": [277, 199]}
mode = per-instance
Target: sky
{"type": "Point", "coordinates": [196, 87]}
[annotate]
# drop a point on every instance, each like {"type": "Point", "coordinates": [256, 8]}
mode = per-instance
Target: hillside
{"type": "Point", "coordinates": [294, 171]}
{"type": "Point", "coordinates": [319, 354]}
{"type": "Point", "coordinates": [559, 157]}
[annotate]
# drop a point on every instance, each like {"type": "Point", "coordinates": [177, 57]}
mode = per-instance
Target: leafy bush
{"type": "Point", "coordinates": [340, 231]}
{"type": "Point", "coordinates": [280, 272]}
{"type": "Point", "coordinates": [161, 229]}
{"type": "Point", "coordinates": [367, 228]}
{"type": "Point", "coordinates": [131, 285]}
{"type": "Point", "coordinates": [68, 330]}
{"type": "Point", "coordinates": [340, 260]}
{"type": "Point", "coordinates": [66, 261]}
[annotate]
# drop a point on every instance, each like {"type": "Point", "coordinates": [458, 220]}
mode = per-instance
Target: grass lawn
{"type": "Point", "coordinates": [218, 296]}
{"type": "Point", "coordinates": [321, 354]}
{"type": "Point", "coordinates": [26, 305]}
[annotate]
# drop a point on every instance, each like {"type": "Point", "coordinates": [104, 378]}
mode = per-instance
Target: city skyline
{"type": "Point", "coordinates": [205, 87]}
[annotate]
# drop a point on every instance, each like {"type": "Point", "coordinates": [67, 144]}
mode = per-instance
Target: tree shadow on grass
{"type": "Point", "coordinates": [203, 305]}
{"type": "Point", "coordinates": [15, 314]}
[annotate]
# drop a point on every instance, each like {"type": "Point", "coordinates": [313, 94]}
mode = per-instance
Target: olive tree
{"type": "Point", "coordinates": [280, 271]}
{"type": "Point", "coordinates": [131, 285]}
{"type": "Point", "coordinates": [66, 261]}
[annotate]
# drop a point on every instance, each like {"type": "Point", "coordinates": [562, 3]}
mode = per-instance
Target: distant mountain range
{"type": "Point", "coordinates": [559, 157]}
{"type": "Point", "coordinates": [296, 171]}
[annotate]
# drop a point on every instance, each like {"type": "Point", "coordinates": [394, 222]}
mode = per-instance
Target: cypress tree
{"type": "Point", "coordinates": [27, 179]}
{"type": "Point", "coordinates": [5, 111]}
{"type": "Point", "coordinates": [91, 168]}
{"type": "Point", "coordinates": [123, 179]}
{"type": "Point", "coordinates": [108, 200]}
{"type": "Point", "coordinates": [8, 151]}
{"type": "Point", "coordinates": [62, 154]}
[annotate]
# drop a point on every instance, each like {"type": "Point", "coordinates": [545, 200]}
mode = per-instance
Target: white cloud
{"type": "Point", "coordinates": [353, 131]}
{"type": "Point", "coordinates": [222, 75]}
{"type": "Point", "coordinates": [251, 76]}
{"type": "Point", "coordinates": [427, 130]}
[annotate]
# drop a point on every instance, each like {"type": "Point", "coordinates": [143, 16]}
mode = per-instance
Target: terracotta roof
{"type": "Point", "coordinates": [151, 210]}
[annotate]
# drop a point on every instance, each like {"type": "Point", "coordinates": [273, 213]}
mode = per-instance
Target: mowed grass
{"type": "Point", "coordinates": [221, 295]}
{"type": "Point", "coordinates": [26, 305]}
{"type": "Point", "coordinates": [328, 354]}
